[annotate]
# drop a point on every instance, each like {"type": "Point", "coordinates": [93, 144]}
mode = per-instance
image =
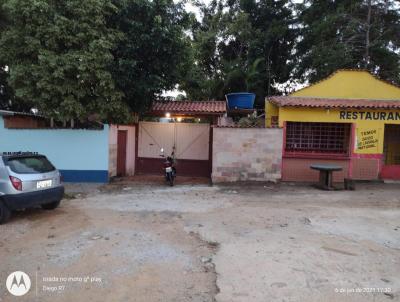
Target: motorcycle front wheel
{"type": "Point", "coordinates": [170, 179]}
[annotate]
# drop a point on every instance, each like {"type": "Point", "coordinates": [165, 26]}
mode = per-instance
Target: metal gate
{"type": "Point", "coordinates": [191, 142]}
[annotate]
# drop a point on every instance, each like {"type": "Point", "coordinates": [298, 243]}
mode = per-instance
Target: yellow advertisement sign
{"type": "Point", "coordinates": [367, 140]}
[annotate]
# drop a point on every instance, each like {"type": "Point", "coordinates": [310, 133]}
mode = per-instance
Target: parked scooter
{"type": "Point", "coordinates": [169, 167]}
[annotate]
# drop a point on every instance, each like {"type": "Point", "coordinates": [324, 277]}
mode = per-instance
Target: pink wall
{"type": "Point", "coordinates": [130, 152]}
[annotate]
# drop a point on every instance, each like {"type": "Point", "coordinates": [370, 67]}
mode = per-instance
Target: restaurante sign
{"type": "Point", "coordinates": [368, 115]}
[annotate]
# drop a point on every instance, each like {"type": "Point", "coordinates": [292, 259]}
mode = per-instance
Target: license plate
{"type": "Point", "coordinates": [168, 169]}
{"type": "Point", "coordinates": [43, 184]}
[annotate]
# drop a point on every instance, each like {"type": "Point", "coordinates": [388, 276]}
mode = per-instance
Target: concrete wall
{"type": "Point", "coordinates": [130, 149]}
{"type": "Point", "coordinates": [246, 154]}
{"type": "Point", "coordinates": [80, 155]}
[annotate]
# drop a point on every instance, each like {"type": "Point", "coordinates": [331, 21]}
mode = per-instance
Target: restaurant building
{"type": "Point", "coordinates": [351, 119]}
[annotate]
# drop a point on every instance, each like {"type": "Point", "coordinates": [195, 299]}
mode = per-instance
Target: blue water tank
{"type": "Point", "coordinates": [240, 100]}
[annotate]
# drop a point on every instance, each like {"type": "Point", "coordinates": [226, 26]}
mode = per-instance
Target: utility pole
{"type": "Point", "coordinates": [367, 35]}
{"type": "Point", "coordinates": [269, 72]}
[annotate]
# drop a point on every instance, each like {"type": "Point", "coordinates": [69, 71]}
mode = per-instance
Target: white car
{"type": "Point", "coordinates": [28, 180]}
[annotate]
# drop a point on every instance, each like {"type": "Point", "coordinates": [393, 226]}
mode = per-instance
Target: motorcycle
{"type": "Point", "coordinates": [169, 167]}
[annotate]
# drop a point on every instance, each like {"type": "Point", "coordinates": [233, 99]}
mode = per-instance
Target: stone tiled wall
{"type": "Point", "coordinates": [246, 154]}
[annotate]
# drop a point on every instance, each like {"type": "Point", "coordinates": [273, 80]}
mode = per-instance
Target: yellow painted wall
{"type": "Point", "coordinates": [369, 132]}
{"type": "Point", "coordinates": [346, 84]}
{"type": "Point", "coordinates": [351, 84]}
{"type": "Point", "coordinates": [270, 111]}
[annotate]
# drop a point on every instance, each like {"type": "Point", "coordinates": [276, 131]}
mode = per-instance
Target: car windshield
{"type": "Point", "coordinates": [30, 164]}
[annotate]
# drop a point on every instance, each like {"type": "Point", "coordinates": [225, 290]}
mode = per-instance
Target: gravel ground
{"type": "Point", "coordinates": [135, 241]}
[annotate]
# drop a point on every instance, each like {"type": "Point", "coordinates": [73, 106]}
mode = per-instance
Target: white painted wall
{"type": "Point", "coordinates": [81, 155]}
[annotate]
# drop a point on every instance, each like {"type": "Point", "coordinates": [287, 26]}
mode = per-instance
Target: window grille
{"type": "Point", "coordinates": [318, 137]}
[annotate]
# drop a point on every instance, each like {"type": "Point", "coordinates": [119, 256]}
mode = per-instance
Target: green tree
{"type": "Point", "coordinates": [348, 34]}
{"type": "Point", "coordinates": [8, 101]}
{"type": "Point", "coordinates": [242, 45]}
{"type": "Point", "coordinates": [153, 52]}
{"type": "Point", "coordinates": [59, 55]}
{"type": "Point", "coordinates": [203, 78]}
{"type": "Point", "coordinates": [5, 90]}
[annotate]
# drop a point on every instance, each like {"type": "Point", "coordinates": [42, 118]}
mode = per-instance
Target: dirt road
{"type": "Point", "coordinates": [139, 242]}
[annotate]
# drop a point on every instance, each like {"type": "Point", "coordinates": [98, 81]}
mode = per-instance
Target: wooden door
{"type": "Point", "coordinates": [121, 152]}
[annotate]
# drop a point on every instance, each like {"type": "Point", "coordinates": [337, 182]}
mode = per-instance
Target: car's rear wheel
{"type": "Point", "coordinates": [5, 213]}
{"type": "Point", "coordinates": [51, 205]}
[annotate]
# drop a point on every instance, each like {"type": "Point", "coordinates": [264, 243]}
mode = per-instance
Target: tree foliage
{"type": "Point", "coordinates": [103, 58]}
{"type": "Point", "coordinates": [266, 46]}
{"type": "Point", "coordinates": [349, 34]}
{"type": "Point", "coordinates": [151, 55]}
{"type": "Point", "coordinates": [106, 58]}
{"type": "Point", "coordinates": [241, 45]}
{"type": "Point", "coordinates": [6, 93]}
{"type": "Point", "coordinates": [59, 53]}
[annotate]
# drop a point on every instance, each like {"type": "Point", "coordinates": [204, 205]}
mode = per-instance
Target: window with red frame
{"type": "Point", "coordinates": [318, 137]}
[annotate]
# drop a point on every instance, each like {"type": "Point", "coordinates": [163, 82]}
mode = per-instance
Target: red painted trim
{"type": "Point", "coordinates": [184, 167]}
{"type": "Point", "coordinates": [380, 166]}
{"type": "Point", "coordinates": [283, 148]}
{"type": "Point", "coordinates": [284, 139]}
{"type": "Point", "coordinates": [136, 147]}
{"type": "Point", "coordinates": [316, 155]}
{"type": "Point", "coordinates": [352, 148]}
{"type": "Point", "coordinates": [353, 135]}
{"type": "Point", "coordinates": [371, 156]}
{"type": "Point", "coordinates": [202, 114]}
{"type": "Point", "coordinates": [210, 148]}
{"type": "Point", "coordinates": [390, 172]}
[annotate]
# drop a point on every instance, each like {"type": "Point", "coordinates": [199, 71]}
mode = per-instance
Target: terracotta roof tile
{"type": "Point", "coordinates": [189, 107]}
{"type": "Point", "coordinates": [291, 101]}
{"type": "Point", "coordinates": [241, 127]}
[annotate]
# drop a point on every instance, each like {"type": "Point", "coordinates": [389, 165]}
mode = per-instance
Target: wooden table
{"type": "Point", "coordinates": [325, 175]}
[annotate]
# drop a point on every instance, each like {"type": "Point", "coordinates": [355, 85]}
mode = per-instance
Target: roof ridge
{"type": "Point", "coordinates": [332, 98]}
{"type": "Point", "coordinates": [189, 107]}
{"type": "Point", "coordinates": [350, 69]}
{"type": "Point", "coordinates": [289, 101]}
{"type": "Point", "coordinates": [187, 101]}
